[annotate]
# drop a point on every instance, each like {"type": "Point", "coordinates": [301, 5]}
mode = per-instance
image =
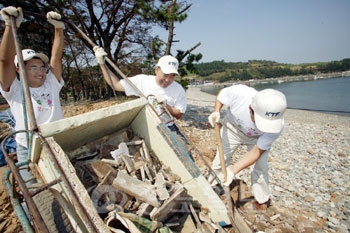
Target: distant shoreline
{"type": "Point", "coordinates": [253, 82]}
{"type": "Point", "coordinates": [202, 95]}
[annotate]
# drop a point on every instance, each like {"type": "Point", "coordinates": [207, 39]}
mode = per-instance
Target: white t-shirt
{"type": "Point", "coordinates": [174, 94]}
{"type": "Point", "coordinates": [45, 100]}
{"type": "Point", "coordinates": [237, 98]}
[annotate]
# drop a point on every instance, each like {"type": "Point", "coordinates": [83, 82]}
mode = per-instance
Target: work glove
{"type": "Point", "coordinates": [100, 54]}
{"type": "Point", "coordinates": [12, 11]}
{"type": "Point", "coordinates": [229, 177]}
{"type": "Point", "coordinates": [55, 19]}
{"type": "Point", "coordinates": [161, 98]}
{"type": "Point", "coordinates": [214, 118]}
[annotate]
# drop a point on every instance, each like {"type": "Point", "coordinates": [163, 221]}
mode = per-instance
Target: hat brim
{"type": "Point", "coordinates": [268, 126]}
{"type": "Point", "coordinates": [42, 57]}
{"type": "Point", "coordinates": [169, 71]}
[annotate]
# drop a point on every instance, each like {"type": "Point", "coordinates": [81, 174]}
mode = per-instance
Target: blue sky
{"type": "Point", "coordinates": [294, 31]}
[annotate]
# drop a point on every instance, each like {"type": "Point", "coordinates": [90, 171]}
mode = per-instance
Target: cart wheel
{"type": "Point", "coordinates": [52, 213]}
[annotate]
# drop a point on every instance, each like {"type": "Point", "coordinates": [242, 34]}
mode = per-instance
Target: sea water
{"type": "Point", "coordinates": [330, 95]}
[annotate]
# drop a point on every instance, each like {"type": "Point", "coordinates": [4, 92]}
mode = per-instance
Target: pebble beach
{"type": "Point", "coordinates": [309, 165]}
{"type": "Point", "coordinates": [309, 169]}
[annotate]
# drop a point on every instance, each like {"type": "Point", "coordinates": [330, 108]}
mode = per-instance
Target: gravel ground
{"type": "Point", "coordinates": [308, 166]}
{"type": "Point", "coordinates": [309, 169]}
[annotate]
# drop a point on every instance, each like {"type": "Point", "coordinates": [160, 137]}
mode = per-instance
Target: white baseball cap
{"type": "Point", "coordinates": [29, 54]}
{"type": "Point", "coordinates": [168, 64]}
{"type": "Point", "coordinates": [269, 106]}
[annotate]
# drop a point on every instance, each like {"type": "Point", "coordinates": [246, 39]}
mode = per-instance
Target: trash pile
{"type": "Point", "coordinates": [133, 191]}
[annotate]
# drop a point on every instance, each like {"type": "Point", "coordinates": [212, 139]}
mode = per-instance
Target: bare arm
{"type": "Point", "coordinates": [214, 117]}
{"type": "Point", "coordinates": [174, 112]}
{"type": "Point", "coordinates": [7, 55]}
{"type": "Point", "coordinates": [112, 80]}
{"type": "Point", "coordinates": [218, 105]}
{"type": "Point", "coordinates": [56, 53]}
{"type": "Point", "coordinates": [248, 159]}
{"type": "Point", "coordinates": [7, 47]}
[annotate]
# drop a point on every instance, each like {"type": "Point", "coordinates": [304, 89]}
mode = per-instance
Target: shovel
{"type": "Point", "coordinates": [224, 172]}
{"type": "Point", "coordinates": [235, 218]}
{"type": "Point", "coordinates": [40, 225]}
{"type": "Point", "coordinates": [33, 126]}
{"type": "Point", "coordinates": [111, 63]}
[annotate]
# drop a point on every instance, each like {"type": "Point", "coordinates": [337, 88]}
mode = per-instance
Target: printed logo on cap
{"type": "Point", "coordinates": [30, 52]}
{"type": "Point", "coordinates": [172, 63]}
{"type": "Point", "coordinates": [272, 114]}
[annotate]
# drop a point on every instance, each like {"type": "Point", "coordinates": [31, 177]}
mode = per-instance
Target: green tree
{"type": "Point", "coordinates": [165, 16]}
{"type": "Point", "coordinates": [121, 27]}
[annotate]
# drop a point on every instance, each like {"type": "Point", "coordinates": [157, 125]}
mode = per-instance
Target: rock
{"type": "Point", "coordinates": [308, 165]}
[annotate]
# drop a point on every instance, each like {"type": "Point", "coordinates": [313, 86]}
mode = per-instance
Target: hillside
{"type": "Point", "coordinates": [221, 71]}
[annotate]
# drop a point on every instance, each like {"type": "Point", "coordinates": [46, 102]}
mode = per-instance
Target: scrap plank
{"type": "Point", "coordinates": [102, 169]}
{"type": "Point", "coordinates": [160, 184]}
{"type": "Point", "coordinates": [173, 203]}
{"type": "Point", "coordinates": [136, 188]}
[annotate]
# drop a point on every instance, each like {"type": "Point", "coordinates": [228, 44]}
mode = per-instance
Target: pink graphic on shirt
{"type": "Point", "coordinates": [44, 101]}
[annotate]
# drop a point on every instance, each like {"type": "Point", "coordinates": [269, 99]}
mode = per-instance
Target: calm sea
{"type": "Point", "coordinates": [325, 95]}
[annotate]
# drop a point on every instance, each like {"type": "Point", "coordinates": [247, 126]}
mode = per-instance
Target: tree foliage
{"type": "Point", "coordinates": [122, 27]}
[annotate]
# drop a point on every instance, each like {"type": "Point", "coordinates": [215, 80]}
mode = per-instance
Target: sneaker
{"type": "Point", "coordinates": [262, 206]}
{"type": "Point", "coordinates": [252, 206]}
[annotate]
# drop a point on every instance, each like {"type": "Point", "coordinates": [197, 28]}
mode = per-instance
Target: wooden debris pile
{"type": "Point", "coordinates": [129, 186]}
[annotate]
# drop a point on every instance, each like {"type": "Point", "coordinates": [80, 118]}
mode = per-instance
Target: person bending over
{"type": "Point", "coordinates": [254, 119]}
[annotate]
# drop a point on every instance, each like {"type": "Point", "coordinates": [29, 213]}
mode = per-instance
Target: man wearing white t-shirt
{"type": "Point", "coordinates": [161, 86]}
{"type": "Point", "coordinates": [44, 83]}
{"type": "Point", "coordinates": [254, 119]}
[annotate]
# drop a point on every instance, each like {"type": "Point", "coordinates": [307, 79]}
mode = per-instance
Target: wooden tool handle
{"type": "Point", "coordinates": [221, 152]}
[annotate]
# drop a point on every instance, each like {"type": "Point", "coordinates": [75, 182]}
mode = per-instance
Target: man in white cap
{"type": "Point", "coordinates": [254, 119]}
{"type": "Point", "coordinates": [162, 85]}
{"type": "Point", "coordinates": [44, 83]}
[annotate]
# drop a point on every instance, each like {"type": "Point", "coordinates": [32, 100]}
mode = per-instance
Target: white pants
{"type": "Point", "coordinates": [232, 138]}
